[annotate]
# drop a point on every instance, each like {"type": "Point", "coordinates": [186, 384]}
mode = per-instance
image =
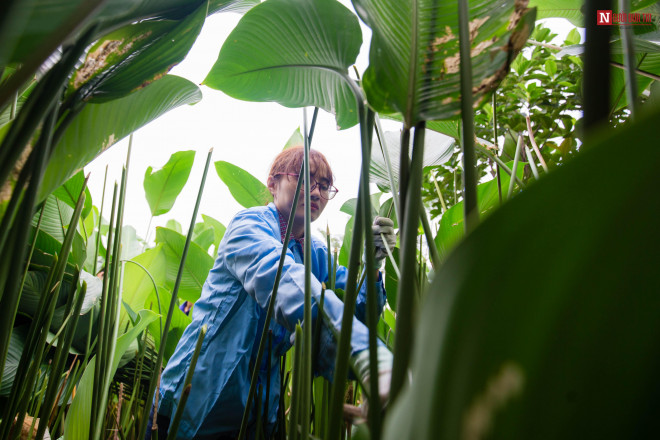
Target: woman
{"type": "Point", "coordinates": [235, 298]}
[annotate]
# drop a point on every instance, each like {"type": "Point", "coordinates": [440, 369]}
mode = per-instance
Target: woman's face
{"type": "Point", "coordinates": [283, 189]}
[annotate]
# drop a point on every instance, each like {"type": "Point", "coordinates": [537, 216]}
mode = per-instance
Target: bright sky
{"type": "Point", "coordinates": [246, 134]}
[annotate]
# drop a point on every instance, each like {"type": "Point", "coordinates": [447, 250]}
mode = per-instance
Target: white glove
{"type": "Point", "coordinates": [383, 227]}
{"type": "Point", "coordinates": [361, 366]}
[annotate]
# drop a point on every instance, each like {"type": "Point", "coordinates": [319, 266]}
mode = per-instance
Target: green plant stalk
{"type": "Point", "coordinates": [270, 311]}
{"type": "Point", "coordinates": [374, 411]}
{"type": "Point", "coordinates": [404, 165]}
{"type": "Point", "coordinates": [407, 289]}
{"type": "Point", "coordinates": [395, 266]}
{"type": "Point", "coordinates": [33, 370]}
{"type": "Point", "coordinates": [103, 316]}
{"type": "Point", "coordinates": [77, 374]}
{"type": "Point", "coordinates": [495, 142]}
{"type": "Point", "coordinates": [428, 233]}
{"type": "Point", "coordinates": [471, 212]}
{"type": "Point", "coordinates": [532, 162]}
{"type": "Point", "coordinates": [501, 164]}
{"type": "Point", "coordinates": [390, 173]}
{"type": "Point", "coordinates": [305, 388]}
{"type": "Point", "coordinates": [335, 257]}
{"type": "Point", "coordinates": [294, 412]}
{"type": "Point", "coordinates": [629, 61]}
{"type": "Point", "coordinates": [268, 373]}
{"type": "Point", "coordinates": [596, 72]}
{"type": "Point", "coordinates": [534, 145]}
{"type": "Point", "coordinates": [170, 312]}
{"type": "Point", "coordinates": [273, 296]}
{"type": "Point", "coordinates": [11, 287]}
{"type": "Point", "coordinates": [187, 385]}
{"type": "Point", "coordinates": [114, 294]}
{"type": "Point", "coordinates": [38, 104]}
{"type": "Point", "coordinates": [350, 296]}
{"type": "Point", "coordinates": [32, 246]}
{"type": "Point", "coordinates": [59, 274]}
{"type": "Point", "coordinates": [515, 166]}
{"type": "Point", "coordinates": [26, 356]}
{"type": "Point", "coordinates": [437, 189]}
{"type": "Point", "coordinates": [59, 363]}
{"type": "Point", "coordinates": [98, 234]}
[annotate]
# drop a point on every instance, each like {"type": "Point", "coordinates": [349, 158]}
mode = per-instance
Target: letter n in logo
{"type": "Point", "coordinates": [604, 17]}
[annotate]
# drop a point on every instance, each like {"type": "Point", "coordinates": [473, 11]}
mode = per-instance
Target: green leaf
{"type": "Point", "coordinates": [14, 351]}
{"type": "Point", "coordinates": [345, 249]}
{"type": "Point", "coordinates": [178, 324]}
{"type": "Point", "coordinates": [174, 225]}
{"type": "Point", "coordinates": [349, 206]}
{"type": "Point", "coordinates": [438, 149]}
{"type": "Point", "coordinates": [414, 62]}
{"type": "Point", "coordinates": [243, 186]}
{"type": "Point", "coordinates": [300, 52]}
{"type": "Point", "coordinates": [44, 17]}
{"type": "Point", "coordinates": [98, 126]}
{"type": "Point", "coordinates": [203, 235]}
{"type": "Point", "coordinates": [138, 286]}
{"type": "Point", "coordinates": [196, 268]}
{"type": "Point", "coordinates": [70, 190]}
{"type": "Point", "coordinates": [573, 37]}
{"type": "Point", "coordinates": [134, 56]}
{"type": "Point", "coordinates": [162, 187]}
{"type": "Point", "coordinates": [76, 426]}
{"type": "Point", "coordinates": [54, 223]}
{"type": "Point", "coordinates": [551, 67]}
{"type": "Point", "coordinates": [295, 140]}
{"type": "Point", "coordinates": [560, 282]}
{"type": "Point", "coordinates": [391, 279]}
{"type": "Point", "coordinates": [218, 231]}
{"type": "Point", "coordinates": [452, 226]}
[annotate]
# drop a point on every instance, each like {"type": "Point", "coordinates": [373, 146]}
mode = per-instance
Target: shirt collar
{"type": "Point", "coordinates": [283, 225]}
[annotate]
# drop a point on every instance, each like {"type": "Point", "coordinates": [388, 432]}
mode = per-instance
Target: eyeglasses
{"type": "Point", "coordinates": [326, 191]}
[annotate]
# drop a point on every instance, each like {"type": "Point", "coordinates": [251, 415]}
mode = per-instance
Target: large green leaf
{"type": "Point", "coordinates": [196, 268]}
{"type": "Point", "coordinates": [99, 126]}
{"type": "Point", "coordinates": [44, 17]}
{"type": "Point", "coordinates": [76, 426]}
{"type": "Point", "coordinates": [14, 352]}
{"type": "Point", "coordinates": [246, 189]}
{"type": "Point", "coordinates": [218, 231]}
{"type": "Point", "coordinates": [70, 190]}
{"type": "Point", "coordinates": [438, 148]}
{"type": "Point", "coordinates": [138, 284]}
{"type": "Point", "coordinates": [162, 187]}
{"type": "Point", "coordinates": [414, 61]}
{"type": "Point", "coordinates": [178, 324]}
{"type": "Point", "coordinates": [543, 323]}
{"type": "Point", "coordinates": [134, 56]}
{"type": "Point", "coordinates": [452, 225]}
{"type": "Point", "coordinates": [54, 223]}
{"type": "Point", "coordinates": [299, 55]}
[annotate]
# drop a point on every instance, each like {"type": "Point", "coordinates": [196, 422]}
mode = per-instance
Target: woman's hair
{"type": "Point", "coordinates": [291, 159]}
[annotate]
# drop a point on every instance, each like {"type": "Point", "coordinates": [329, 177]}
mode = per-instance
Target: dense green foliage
{"type": "Point", "coordinates": [543, 296]}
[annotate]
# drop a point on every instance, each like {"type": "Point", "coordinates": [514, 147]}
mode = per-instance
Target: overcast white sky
{"type": "Point", "coordinates": [247, 134]}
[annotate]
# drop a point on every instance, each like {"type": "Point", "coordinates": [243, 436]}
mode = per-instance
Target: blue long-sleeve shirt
{"type": "Point", "coordinates": [233, 304]}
